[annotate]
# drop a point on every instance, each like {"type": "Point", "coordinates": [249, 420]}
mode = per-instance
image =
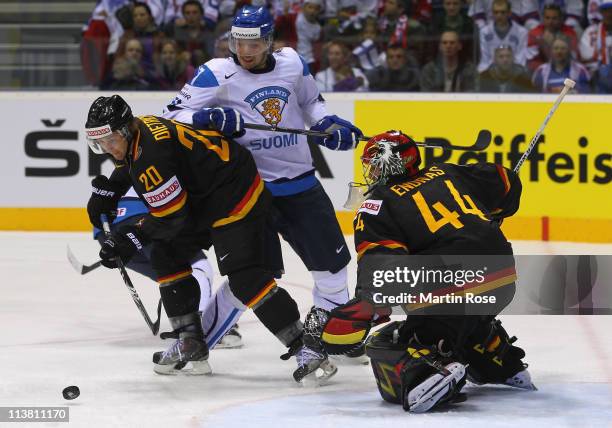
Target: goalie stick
{"type": "Point", "coordinates": [81, 268]}
{"type": "Point", "coordinates": [482, 140]}
{"type": "Point", "coordinates": [567, 85]}
{"type": "Point", "coordinates": [154, 326]}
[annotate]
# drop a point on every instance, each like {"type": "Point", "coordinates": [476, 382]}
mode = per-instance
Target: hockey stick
{"type": "Point", "coordinates": [482, 141]}
{"type": "Point", "coordinates": [78, 266]}
{"type": "Point", "coordinates": [154, 326]}
{"type": "Point", "coordinates": [567, 85]}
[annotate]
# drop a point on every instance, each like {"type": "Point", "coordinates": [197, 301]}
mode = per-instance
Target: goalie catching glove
{"type": "Point", "coordinates": [343, 134]}
{"type": "Point", "coordinates": [348, 325]}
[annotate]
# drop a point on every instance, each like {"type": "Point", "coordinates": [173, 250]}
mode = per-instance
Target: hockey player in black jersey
{"type": "Point", "coordinates": [198, 186]}
{"type": "Point", "coordinates": [442, 209]}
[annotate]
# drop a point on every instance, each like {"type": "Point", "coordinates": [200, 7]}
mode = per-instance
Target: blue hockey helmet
{"type": "Point", "coordinates": [252, 23]}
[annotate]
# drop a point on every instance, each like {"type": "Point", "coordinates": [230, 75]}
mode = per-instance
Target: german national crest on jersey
{"type": "Point", "coordinates": [269, 102]}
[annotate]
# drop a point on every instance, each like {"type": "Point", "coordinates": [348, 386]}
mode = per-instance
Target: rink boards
{"type": "Point", "coordinates": [47, 168]}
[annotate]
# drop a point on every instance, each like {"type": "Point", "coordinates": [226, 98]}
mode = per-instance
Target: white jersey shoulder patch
{"type": "Point", "coordinates": [371, 206]}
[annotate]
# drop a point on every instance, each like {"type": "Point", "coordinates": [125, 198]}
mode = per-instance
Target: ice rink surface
{"type": "Point", "coordinates": [59, 329]}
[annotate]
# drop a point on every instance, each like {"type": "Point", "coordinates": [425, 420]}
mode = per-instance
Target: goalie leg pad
{"type": "Point", "coordinates": [417, 376]}
{"type": "Point", "coordinates": [221, 314]}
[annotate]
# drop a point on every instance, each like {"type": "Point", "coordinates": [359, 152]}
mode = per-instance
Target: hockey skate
{"type": "Point", "coordinates": [188, 355]}
{"type": "Point", "coordinates": [495, 359]}
{"type": "Point", "coordinates": [314, 368]}
{"type": "Point", "coordinates": [231, 340]}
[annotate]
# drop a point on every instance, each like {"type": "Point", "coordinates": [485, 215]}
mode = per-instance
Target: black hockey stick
{"type": "Point", "coordinates": [482, 141]}
{"type": "Point", "coordinates": [154, 326]}
{"type": "Point", "coordinates": [81, 268]}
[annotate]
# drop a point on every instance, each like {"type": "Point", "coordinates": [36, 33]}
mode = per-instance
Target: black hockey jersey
{"type": "Point", "coordinates": [445, 209]}
{"type": "Point", "coordinates": [178, 170]}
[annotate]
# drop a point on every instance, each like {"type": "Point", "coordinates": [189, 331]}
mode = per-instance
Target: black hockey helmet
{"type": "Point", "coordinates": [106, 115]}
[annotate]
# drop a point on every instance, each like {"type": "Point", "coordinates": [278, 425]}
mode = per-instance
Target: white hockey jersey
{"type": "Point", "coordinates": [516, 38]}
{"type": "Point", "coordinates": [595, 46]}
{"type": "Point", "coordinates": [287, 96]}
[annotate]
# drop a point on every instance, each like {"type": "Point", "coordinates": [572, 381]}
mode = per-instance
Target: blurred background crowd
{"type": "Point", "coordinates": [493, 46]}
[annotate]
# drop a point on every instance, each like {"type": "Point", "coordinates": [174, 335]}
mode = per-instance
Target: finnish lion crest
{"type": "Point", "coordinates": [269, 102]}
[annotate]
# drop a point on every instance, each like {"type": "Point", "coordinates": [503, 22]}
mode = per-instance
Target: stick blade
{"type": "Point", "coordinates": [78, 266]}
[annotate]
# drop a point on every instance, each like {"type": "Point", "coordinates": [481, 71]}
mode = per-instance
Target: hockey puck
{"type": "Point", "coordinates": [71, 392]}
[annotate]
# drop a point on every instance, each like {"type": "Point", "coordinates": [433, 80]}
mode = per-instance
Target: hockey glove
{"type": "Point", "coordinates": [123, 243]}
{"type": "Point", "coordinates": [104, 198]}
{"type": "Point", "coordinates": [348, 325]}
{"type": "Point", "coordinates": [344, 135]}
{"type": "Point", "coordinates": [227, 121]}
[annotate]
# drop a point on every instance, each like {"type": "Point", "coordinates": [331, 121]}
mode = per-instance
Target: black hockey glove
{"type": "Point", "coordinates": [123, 243]}
{"type": "Point", "coordinates": [105, 195]}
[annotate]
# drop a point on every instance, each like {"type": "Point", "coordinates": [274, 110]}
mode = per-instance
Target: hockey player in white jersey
{"type": "Point", "coordinates": [276, 89]}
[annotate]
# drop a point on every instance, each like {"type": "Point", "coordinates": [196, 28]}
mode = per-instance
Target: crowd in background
{"type": "Point", "coordinates": [516, 46]}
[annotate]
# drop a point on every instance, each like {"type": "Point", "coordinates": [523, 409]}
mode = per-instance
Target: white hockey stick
{"type": "Point", "coordinates": [567, 85]}
{"type": "Point", "coordinates": [78, 266]}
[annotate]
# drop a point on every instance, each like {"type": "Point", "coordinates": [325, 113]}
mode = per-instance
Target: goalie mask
{"type": "Point", "coordinates": [385, 155]}
{"type": "Point", "coordinates": [389, 154]}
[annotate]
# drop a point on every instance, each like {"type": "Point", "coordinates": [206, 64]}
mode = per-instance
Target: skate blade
{"type": "Point", "coordinates": [192, 368]}
{"type": "Point", "coordinates": [435, 388]}
{"type": "Point", "coordinates": [229, 343]}
{"type": "Point", "coordinates": [345, 360]}
{"type": "Point", "coordinates": [320, 376]}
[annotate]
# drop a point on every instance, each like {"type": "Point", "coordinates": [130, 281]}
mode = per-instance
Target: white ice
{"type": "Point", "coordinates": [58, 329]}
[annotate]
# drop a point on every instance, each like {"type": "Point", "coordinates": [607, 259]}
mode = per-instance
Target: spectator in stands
{"type": "Point", "coordinates": [592, 12]}
{"type": "Point", "coordinates": [368, 52]}
{"type": "Point", "coordinates": [128, 72]}
{"type": "Point", "coordinates": [346, 25]}
{"type": "Point", "coordinates": [308, 32]}
{"type": "Point", "coordinates": [596, 41]}
{"type": "Point", "coordinates": [504, 76]}
{"type": "Point", "coordinates": [603, 79]}
{"type": "Point", "coordinates": [448, 73]}
{"type": "Point", "coordinates": [396, 28]}
{"type": "Point", "coordinates": [363, 8]}
{"type": "Point", "coordinates": [502, 31]}
{"type": "Point", "coordinates": [524, 12]}
{"type": "Point", "coordinates": [174, 14]}
{"type": "Point", "coordinates": [421, 11]}
{"type": "Point", "coordinates": [400, 73]}
{"type": "Point", "coordinates": [452, 17]}
{"type": "Point", "coordinates": [157, 9]}
{"type": "Point", "coordinates": [222, 46]}
{"type": "Point", "coordinates": [340, 76]}
{"type": "Point", "coordinates": [100, 38]}
{"type": "Point", "coordinates": [539, 39]}
{"type": "Point", "coordinates": [173, 70]}
{"type": "Point", "coordinates": [549, 77]}
{"type": "Point", "coordinates": [192, 34]}
{"type": "Point", "coordinates": [572, 10]}
{"type": "Point", "coordinates": [145, 30]}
